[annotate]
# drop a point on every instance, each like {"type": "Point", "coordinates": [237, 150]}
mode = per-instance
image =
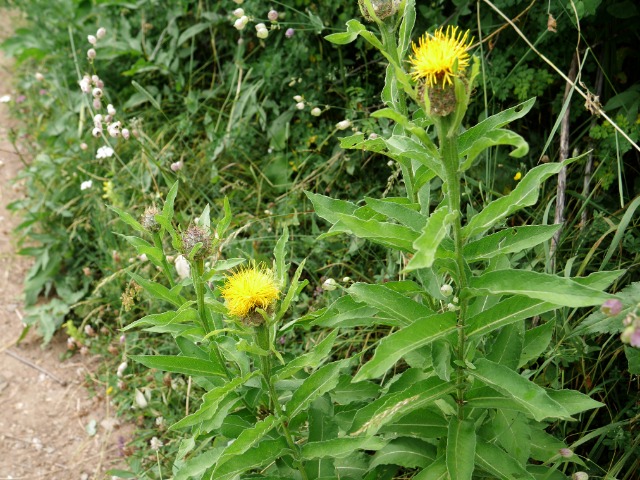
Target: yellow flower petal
{"type": "Point", "coordinates": [250, 288]}
{"type": "Point", "coordinates": [436, 56]}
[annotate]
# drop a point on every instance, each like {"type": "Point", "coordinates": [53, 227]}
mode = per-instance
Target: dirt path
{"type": "Point", "coordinates": [44, 406]}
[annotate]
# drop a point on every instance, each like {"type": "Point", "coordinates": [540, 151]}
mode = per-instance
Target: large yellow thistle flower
{"type": "Point", "coordinates": [436, 55]}
{"type": "Point", "coordinates": [250, 288]}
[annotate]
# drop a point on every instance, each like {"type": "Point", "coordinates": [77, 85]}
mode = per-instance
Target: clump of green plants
{"type": "Point", "coordinates": [444, 392]}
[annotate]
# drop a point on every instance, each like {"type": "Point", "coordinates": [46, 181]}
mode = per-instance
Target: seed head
{"type": "Point", "coordinates": [148, 219]}
{"type": "Point", "coordinates": [191, 237]}
{"type": "Point", "coordinates": [381, 8]}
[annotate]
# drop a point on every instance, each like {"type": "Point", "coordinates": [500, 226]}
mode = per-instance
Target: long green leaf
{"type": "Point", "coordinates": [341, 447]}
{"type": "Point", "coordinates": [263, 454]}
{"type": "Point", "coordinates": [529, 395]}
{"type": "Point", "coordinates": [495, 461]}
{"type": "Point", "coordinates": [247, 439]}
{"type": "Point", "coordinates": [549, 288]}
{"type": "Point", "coordinates": [461, 449]}
{"type": "Point", "coordinates": [524, 195]}
{"type": "Point", "coordinates": [389, 301]}
{"type": "Point", "coordinates": [434, 231]}
{"type": "Point", "coordinates": [158, 291]}
{"type": "Point", "coordinates": [405, 452]}
{"type": "Point", "coordinates": [509, 240]}
{"type": "Point", "coordinates": [185, 365]}
{"type": "Point", "coordinates": [391, 348]}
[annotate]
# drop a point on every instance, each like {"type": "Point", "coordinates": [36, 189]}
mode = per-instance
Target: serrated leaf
{"type": "Point", "coordinates": [391, 348]}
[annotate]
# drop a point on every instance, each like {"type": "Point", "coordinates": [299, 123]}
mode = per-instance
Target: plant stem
{"type": "Point", "coordinates": [264, 342]}
{"type": "Point", "coordinates": [450, 160]}
{"type": "Point", "coordinates": [157, 242]}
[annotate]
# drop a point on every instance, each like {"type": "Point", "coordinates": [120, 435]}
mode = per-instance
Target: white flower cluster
{"type": "Point", "coordinates": [262, 31]}
{"type": "Point", "coordinates": [300, 104]}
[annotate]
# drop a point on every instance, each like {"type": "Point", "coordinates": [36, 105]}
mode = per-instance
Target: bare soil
{"type": "Point", "coordinates": [45, 409]}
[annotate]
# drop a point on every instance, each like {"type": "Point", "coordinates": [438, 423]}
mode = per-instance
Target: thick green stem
{"type": "Point", "coordinates": [264, 342]}
{"type": "Point", "coordinates": [198, 284]}
{"type": "Point", "coordinates": [451, 161]}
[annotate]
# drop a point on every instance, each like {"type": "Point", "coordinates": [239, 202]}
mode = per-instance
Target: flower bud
{"type": "Point", "coordinates": [565, 452]}
{"type": "Point", "coordinates": [191, 237]}
{"type": "Point", "coordinates": [110, 110]}
{"type": "Point", "coordinates": [148, 219]}
{"type": "Point", "coordinates": [183, 268]}
{"type": "Point", "coordinates": [121, 368]}
{"type": "Point", "coordinates": [39, 76]}
{"type": "Point", "coordinates": [300, 105]}
{"type": "Point", "coordinates": [316, 112]}
{"type": "Point", "coordinates": [298, 98]}
{"type": "Point", "coordinates": [177, 166]}
{"type": "Point", "coordinates": [97, 104]}
{"type": "Point", "coordinates": [101, 32]}
{"type": "Point", "coordinates": [240, 23]}
{"type": "Point", "coordinates": [289, 33]}
{"type": "Point", "coordinates": [381, 9]}
{"type": "Point", "coordinates": [83, 146]}
{"type": "Point", "coordinates": [329, 284]}
{"type": "Point", "coordinates": [96, 132]}
{"type": "Point", "coordinates": [446, 290]}
{"type": "Point", "coordinates": [96, 92]}
{"type": "Point", "coordinates": [238, 13]}
{"type": "Point", "coordinates": [343, 125]}
{"type": "Point", "coordinates": [91, 53]}
{"type": "Point", "coordinates": [92, 40]}
{"type": "Point", "coordinates": [611, 307]}
{"type": "Point", "coordinates": [272, 16]}
{"type": "Point", "coordinates": [580, 476]}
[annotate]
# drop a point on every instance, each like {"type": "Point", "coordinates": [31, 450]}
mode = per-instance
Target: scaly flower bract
{"type": "Point", "coordinates": [250, 288]}
{"type": "Point", "coordinates": [435, 56]}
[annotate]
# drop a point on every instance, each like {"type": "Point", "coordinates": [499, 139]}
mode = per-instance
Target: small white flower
{"type": "Point", "coordinates": [155, 444]}
{"type": "Point", "coordinates": [262, 33]}
{"type": "Point", "coordinates": [143, 257]}
{"type": "Point", "coordinates": [125, 133]}
{"type": "Point", "coordinates": [86, 184]}
{"type": "Point", "coordinates": [95, 79]}
{"type": "Point", "coordinates": [110, 110]}
{"type": "Point", "coordinates": [91, 53]}
{"type": "Point", "coordinates": [5, 99]}
{"type": "Point", "coordinates": [97, 104]}
{"type": "Point", "coordinates": [83, 146]}
{"type": "Point", "coordinates": [141, 400]}
{"type": "Point", "coordinates": [300, 105]}
{"type": "Point", "coordinates": [272, 15]}
{"type": "Point", "coordinates": [316, 112]}
{"type": "Point", "coordinates": [298, 98]}
{"type": "Point", "coordinates": [238, 12]}
{"type": "Point", "coordinates": [92, 39]}
{"type": "Point", "coordinates": [96, 92]}
{"type": "Point", "coordinates": [39, 76]}
{"type": "Point", "coordinates": [346, 279]}
{"type": "Point", "coordinates": [96, 132]}
{"type": "Point", "coordinates": [114, 129]}
{"type": "Point", "coordinates": [182, 267]}
{"type": "Point", "coordinates": [97, 119]}
{"type": "Point", "coordinates": [343, 125]}
{"type": "Point", "coordinates": [240, 23]}
{"type": "Point", "coordinates": [104, 152]}
{"type": "Point", "coordinates": [373, 136]}
{"type": "Point", "coordinates": [177, 166]}
{"type": "Point", "coordinates": [101, 32]}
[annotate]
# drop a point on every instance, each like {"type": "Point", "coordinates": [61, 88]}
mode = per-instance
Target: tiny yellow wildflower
{"type": "Point", "coordinates": [435, 56]}
{"type": "Point", "coordinates": [250, 288]}
{"type": "Point", "coordinates": [517, 176]}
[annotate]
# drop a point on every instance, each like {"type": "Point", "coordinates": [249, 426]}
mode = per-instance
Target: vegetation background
{"type": "Point", "coordinates": [215, 108]}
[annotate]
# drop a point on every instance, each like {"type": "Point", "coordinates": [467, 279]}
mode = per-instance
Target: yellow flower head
{"type": "Point", "coordinates": [250, 288]}
{"type": "Point", "coordinates": [436, 55]}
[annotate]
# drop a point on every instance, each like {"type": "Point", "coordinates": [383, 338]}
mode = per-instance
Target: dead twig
{"type": "Point", "coordinates": [37, 367]}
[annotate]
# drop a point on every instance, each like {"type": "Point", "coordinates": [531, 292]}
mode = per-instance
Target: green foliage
{"type": "Point", "coordinates": [381, 373]}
